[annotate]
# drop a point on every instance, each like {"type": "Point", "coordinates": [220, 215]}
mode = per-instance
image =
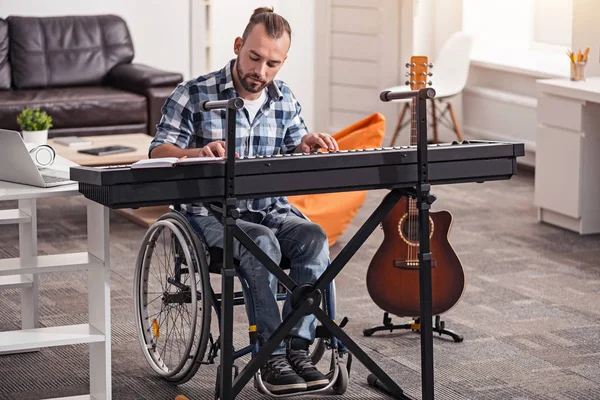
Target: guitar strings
{"type": "Point", "coordinates": [413, 224]}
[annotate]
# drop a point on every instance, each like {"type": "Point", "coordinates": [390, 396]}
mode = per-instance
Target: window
{"type": "Point", "coordinates": [532, 35]}
{"type": "Point", "coordinates": [552, 25]}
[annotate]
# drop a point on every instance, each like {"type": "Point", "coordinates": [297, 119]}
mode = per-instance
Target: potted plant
{"type": "Point", "coordinates": [34, 125]}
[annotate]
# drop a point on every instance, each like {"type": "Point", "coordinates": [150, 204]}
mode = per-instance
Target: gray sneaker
{"type": "Point", "coordinates": [279, 377]}
{"type": "Point", "coordinates": [297, 355]}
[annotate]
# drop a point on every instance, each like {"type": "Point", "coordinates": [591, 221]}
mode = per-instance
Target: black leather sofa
{"type": "Point", "coordinates": [79, 70]}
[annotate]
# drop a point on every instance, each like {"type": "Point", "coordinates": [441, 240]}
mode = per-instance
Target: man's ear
{"type": "Point", "coordinates": [282, 63]}
{"type": "Point", "coordinates": [237, 45]}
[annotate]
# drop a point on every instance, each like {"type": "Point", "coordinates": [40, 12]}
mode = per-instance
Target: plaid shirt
{"type": "Point", "coordinates": [276, 128]}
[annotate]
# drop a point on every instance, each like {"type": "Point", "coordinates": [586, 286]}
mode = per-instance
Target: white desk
{"type": "Point", "coordinates": [23, 273]}
{"type": "Point", "coordinates": [567, 168]}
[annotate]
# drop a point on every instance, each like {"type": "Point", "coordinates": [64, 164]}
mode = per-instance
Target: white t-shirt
{"type": "Point", "coordinates": [254, 105]}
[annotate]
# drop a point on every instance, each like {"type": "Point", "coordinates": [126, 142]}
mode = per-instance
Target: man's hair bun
{"type": "Point", "coordinates": [261, 10]}
{"type": "Point", "coordinates": [275, 25]}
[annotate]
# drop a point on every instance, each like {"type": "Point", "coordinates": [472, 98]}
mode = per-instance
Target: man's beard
{"type": "Point", "coordinates": [248, 85]}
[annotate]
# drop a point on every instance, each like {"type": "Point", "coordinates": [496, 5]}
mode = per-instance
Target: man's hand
{"type": "Point", "coordinates": [214, 149]}
{"type": "Point", "coordinates": [314, 141]}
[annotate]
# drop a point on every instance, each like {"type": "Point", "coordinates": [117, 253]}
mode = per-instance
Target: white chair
{"type": "Point", "coordinates": [450, 72]}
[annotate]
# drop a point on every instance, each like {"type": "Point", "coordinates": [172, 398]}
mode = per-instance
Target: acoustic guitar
{"type": "Point", "coordinates": [393, 274]}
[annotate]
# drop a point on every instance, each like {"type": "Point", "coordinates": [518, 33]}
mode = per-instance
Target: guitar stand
{"type": "Point", "coordinates": [306, 298]}
{"type": "Point", "coordinates": [415, 326]}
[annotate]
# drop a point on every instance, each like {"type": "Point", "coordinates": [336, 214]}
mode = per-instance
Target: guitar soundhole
{"type": "Point", "coordinates": [408, 228]}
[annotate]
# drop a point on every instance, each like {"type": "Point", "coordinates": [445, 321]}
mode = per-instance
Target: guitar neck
{"type": "Point", "coordinates": [413, 122]}
{"type": "Point", "coordinates": [412, 203]}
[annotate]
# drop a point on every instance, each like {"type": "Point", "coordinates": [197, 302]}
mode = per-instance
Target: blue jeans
{"type": "Point", "coordinates": [303, 242]}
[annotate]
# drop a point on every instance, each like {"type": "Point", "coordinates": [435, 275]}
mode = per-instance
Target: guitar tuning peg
{"type": "Point", "coordinates": [430, 83]}
{"type": "Point", "coordinates": [430, 65]}
{"type": "Point", "coordinates": [407, 83]}
{"type": "Point", "coordinates": [430, 74]}
{"type": "Point", "coordinates": [407, 65]}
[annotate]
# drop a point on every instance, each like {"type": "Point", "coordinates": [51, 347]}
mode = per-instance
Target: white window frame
{"type": "Point", "coordinates": [543, 46]}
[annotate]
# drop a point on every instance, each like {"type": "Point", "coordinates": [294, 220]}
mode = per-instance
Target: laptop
{"type": "Point", "coordinates": [16, 164]}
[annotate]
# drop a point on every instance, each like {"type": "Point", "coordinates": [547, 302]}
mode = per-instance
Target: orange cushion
{"type": "Point", "coordinates": [334, 211]}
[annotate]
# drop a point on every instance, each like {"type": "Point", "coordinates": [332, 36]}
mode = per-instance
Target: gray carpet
{"type": "Point", "coordinates": [530, 314]}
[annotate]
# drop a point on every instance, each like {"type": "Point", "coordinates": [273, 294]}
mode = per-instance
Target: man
{"type": "Point", "coordinates": [270, 123]}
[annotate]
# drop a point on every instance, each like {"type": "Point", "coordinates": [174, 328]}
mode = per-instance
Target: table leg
{"type": "Point", "coordinates": [99, 300]}
{"type": "Point", "coordinates": [28, 250]}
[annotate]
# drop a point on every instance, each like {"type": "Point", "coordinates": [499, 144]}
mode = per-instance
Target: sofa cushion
{"type": "Point", "coordinates": [75, 107]}
{"type": "Point", "coordinates": [66, 51]}
{"type": "Point", "coordinates": [4, 61]}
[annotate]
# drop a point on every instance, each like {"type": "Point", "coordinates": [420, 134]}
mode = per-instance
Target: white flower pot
{"type": "Point", "coordinates": [35, 137]}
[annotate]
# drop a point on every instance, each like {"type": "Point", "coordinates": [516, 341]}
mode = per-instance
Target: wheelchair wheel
{"type": "Point", "coordinates": [341, 384]}
{"type": "Point", "coordinates": [172, 298]}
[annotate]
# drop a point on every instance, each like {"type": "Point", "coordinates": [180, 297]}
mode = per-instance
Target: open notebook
{"type": "Point", "coordinates": [173, 161]}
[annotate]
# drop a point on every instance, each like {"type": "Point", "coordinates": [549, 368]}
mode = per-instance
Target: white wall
{"type": "Point", "coordinates": [434, 22]}
{"type": "Point", "coordinates": [160, 30]}
{"type": "Point", "coordinates": [447, 19]}
{"type": "Point", "coordinates": [423, 28]}
{"type": "Point", "coordinates": [586, 32]}
{"type": "Point", "coordinates": [298, 70]}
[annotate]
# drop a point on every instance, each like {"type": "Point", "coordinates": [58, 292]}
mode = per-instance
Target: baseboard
{"type": "Point", "coordinates": [503, 115]}
{"type": "Point", "coordinates": [502, 96]}
{"type": "Point", "coordinates": [528, 160]}
{"type": "Point", "coordinates": [484, 134]}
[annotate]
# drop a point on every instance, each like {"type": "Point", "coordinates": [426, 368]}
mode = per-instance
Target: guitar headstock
{"type": "Point", "coordinates": [419, 71]}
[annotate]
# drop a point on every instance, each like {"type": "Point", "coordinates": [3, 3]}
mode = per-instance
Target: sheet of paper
{"type": "Point", "coordinates": [155, 162]}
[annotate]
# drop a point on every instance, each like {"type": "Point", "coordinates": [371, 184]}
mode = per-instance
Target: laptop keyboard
{"type": "Point", "coordinates": [53, 179]}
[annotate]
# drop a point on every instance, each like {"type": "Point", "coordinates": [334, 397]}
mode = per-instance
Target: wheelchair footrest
{"type": "Point", "coordinates": [323, 332]}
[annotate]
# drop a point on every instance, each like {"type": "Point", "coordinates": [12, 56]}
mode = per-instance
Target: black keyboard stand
{"type": "Point", "coordinates": [306, 298]}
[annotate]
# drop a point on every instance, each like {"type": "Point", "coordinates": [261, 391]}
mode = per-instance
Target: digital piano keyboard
{"type": "Point", "coordinates": [301, 173]}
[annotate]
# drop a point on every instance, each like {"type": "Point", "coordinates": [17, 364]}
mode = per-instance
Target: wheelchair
{"type": "Point", "coordinates": [174, 300]}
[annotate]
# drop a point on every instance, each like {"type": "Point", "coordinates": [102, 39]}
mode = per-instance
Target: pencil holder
{"type": "Point", "coordinates": [578, 71]}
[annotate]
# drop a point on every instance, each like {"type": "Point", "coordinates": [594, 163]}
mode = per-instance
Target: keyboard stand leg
{"type": "Point", "coordinates": [306, 299]}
